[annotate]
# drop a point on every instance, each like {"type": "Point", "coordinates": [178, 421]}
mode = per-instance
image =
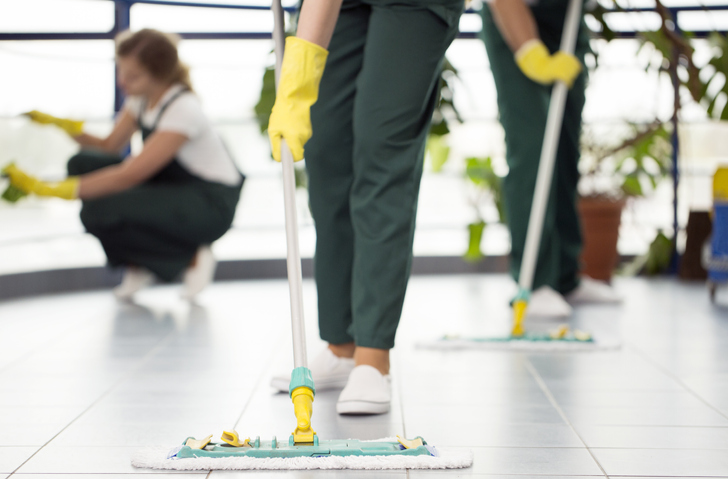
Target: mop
{"type": "Point", "coordinates": [563, 338]}
{"type": "Point", "coordinates": [303, 449]}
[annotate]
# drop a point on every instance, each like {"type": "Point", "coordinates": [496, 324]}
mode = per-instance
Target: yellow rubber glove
{"type": "Point", "coordinates": [66, 189]}
{"type": "Point", "coordinates": [303, 66]}
{"type": "Point", "coordinates": [72, 127]}
{"type": "Point", "coordinates": [535, 61]}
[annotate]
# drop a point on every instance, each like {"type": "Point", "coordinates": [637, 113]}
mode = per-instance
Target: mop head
{"type": "Point", "coordinates": [563, 339]}
{"type": "Point", "coordinates": [336, 454]}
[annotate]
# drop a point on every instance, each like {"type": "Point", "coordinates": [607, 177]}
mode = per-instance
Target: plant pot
{"type": "Point", "coordinates": [600, 219]}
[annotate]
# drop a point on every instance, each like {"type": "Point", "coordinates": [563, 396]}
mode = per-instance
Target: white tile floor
{"type": "Point", "coordinates": [85, 381]}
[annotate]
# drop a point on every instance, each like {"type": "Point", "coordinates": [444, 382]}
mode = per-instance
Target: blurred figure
{"type": "Point", "coordinates": [522, 39]}
{"type": "Point", "coordinates": [157, 213]}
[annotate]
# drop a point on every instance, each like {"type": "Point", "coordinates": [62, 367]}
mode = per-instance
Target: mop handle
{"type": "Point", "coordinates": [548, 154]}
{"type": "Point", "coordinates": [293, 261]}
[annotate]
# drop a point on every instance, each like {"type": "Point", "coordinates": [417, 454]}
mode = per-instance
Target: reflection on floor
{"type": "Point", "coordinates": [85, 381]}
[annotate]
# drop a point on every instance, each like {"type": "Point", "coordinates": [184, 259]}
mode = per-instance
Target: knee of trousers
{"type": "Point", "coordinates": [77, 165]}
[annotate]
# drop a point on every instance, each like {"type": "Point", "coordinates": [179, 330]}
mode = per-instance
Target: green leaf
{"type": "Point", "coordinates": [266, 100]}
{"type": "Point", "coordinates": [632, 186]}
{"type": "Point", "coordinates": [12, 194]}
{"type": "Point", "coordinates": [439, 152]}
{"type": "Point", "coordinates": [659, 255]}
{"type": "Point", "coordinates": [474, 253]}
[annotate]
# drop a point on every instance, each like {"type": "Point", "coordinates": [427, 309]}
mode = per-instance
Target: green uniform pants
{"type": "Point", "coordinates": [523, 106]}
{"type": "Point", "coordinates": [158, 225]}
{"type": "Point", "coordinates": [365, 160]}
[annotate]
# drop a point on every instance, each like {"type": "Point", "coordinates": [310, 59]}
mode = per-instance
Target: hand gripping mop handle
{"type": "Point", "coordinates": [301, 387]}
{"type": "Point", "coordinates": [548, 156]}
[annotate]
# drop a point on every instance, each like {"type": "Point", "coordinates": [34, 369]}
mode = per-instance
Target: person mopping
{"type": "Point", "coordinates": [522, 39]}
{"type": "Point", "coordinates": [158, 212]}
{"type": "Point", "coordinates": [373, 93]}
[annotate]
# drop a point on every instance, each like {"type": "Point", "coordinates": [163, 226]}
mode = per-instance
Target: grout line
{"type": "Point", "coordinates": [552, 400]}
{"type": "Point", "coordinates": [675, 378]}
{"type": "Point", "coordinates": [162, 342]}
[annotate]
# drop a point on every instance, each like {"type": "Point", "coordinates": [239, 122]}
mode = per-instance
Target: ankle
{"type": "Point", "coordinates": [376, 358]}
{"type": "Point", "coordinates": [345, 350]}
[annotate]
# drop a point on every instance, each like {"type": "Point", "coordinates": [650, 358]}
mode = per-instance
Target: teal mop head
{"type": "Point", "coordinates": [561, 339]}
{"type": "Point", "coordinates": [387, 453]}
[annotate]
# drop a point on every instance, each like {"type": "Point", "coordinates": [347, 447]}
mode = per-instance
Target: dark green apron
{"type": "Point", "coordinates": [160, 224]}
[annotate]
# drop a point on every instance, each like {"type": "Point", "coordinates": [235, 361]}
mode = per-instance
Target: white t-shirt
{"type": "Point", "coordinates": [204, 154]}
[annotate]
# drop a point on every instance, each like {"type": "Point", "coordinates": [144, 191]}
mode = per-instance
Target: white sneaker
{"type": "Point", "coordinates": [367, 392]}
{"type": "Point", "coordinates": [134, 279]}
{"type": "Point", "coordinates": [199, 276]}
{"type": "Point", "coordinates": [593, 291]}
{"type": "Point", "coordinates": [547, 303]}
{"type": "Point", "coordinates": [327, 370]}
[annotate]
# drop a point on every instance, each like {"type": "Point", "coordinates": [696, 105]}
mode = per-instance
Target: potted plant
{"type": "Point", "coordinates": [610, 177]}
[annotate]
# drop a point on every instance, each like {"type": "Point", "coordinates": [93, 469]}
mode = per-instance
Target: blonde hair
{"type": "Point", "coordinates": [157, 52]}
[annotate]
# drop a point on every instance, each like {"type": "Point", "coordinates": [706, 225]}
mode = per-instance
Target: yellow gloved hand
{"type": "Point", "coordinates": [66, 189]}
{"type": "Point", "coordinates": [535, 61]}
{"type": "Point", "coordinates": [72, 127]}
{"type": "Point", "coordinates": [303, 66]}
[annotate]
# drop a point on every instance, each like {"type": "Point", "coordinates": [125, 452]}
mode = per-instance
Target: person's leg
{"type": "Point", "coordinates": [158, 227]}
{"type": "Point", "coordinates": [550, 17]}
{"type": "Point", "coordinates": [523, 106]}
{"type": "Point", "coordinates": [329, 164]}
{"type": "Point", "coordinates": [396, 93]}
{"type": "Point", "coordinates": [86, 161]}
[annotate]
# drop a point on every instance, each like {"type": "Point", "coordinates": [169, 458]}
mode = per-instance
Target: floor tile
{"type": "Point", "coordinates": [537, 461]}
{"type": "Point", "coordinates": [155, 373]}
{"type": "Point", "coordinates": [158, 475]}
{"type": "Point", "coordinates": [416, 415]}
{"type": "Point", "coordinates": [81, 460]}
{"type": "Point", "coordinates": [11, 457]}
{"type": "Point", "coordinates": [496, 435]}
{"type": "Point", "coordinates": [645, 416]}
{"type": "Point", "coordinates": [662, 462]}
{"type": "Point", "coordinates": [25, 434]}
{"type": "Point", "coordinates": [654, 437]}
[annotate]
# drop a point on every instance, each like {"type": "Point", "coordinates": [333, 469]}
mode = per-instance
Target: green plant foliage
{"type": "Point", "coordinates": [439, 152]}
{"type": "Point", "coordinates": [445, 109]}
{"type": "Point", "coordinates": [12, 194]}
{"type": "Point", "coordinates": [475, 231]}
{"type": "Point", "coordinates": [266, 100]}
{"type": "Point", "coordinates": [480, 172]}
{"type": "Point", "coordinates": [301, 177]}
{"type": "Point", "coordinates": [646, 159]}
{"type": "Point", "coordinates": [659, 255]}
{"type": "Point", "coordinates": [719, 62]}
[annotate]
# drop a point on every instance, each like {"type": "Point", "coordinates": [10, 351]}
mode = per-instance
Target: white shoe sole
{"type": "Point", "coordinates": [282, 384]}
{"type": "Point", "coordinates": [362, 407]}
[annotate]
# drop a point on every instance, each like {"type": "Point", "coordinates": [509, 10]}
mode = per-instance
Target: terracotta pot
{"type": "Point", "coordinates": [600, 219]}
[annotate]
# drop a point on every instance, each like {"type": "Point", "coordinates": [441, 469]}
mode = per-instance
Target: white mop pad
{"type": "Point", "coordinates": [156, 458]}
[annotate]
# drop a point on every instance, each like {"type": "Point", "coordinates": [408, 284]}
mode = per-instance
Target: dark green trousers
{"type": "Point", "coordinates": [365, 160]}
{"type": "Point", "coordinates": [523, 106]}
{"type": "Point", "coordinates": [158, 225]}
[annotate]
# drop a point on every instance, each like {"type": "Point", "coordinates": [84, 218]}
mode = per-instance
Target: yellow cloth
{"type": "Point", "coordinates": [66, 189]}
{"type": "Point", "coordinates": [72, 127]}
{"type": "Point", "coordinates": [535, 61]}
{"type": "Point", "coordinates": [303, 66]}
